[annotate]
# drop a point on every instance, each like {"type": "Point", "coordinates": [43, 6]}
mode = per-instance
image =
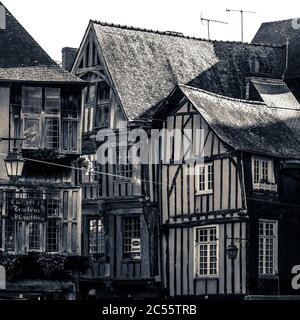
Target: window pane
{"type": "Point", "coordinates": [34, 236]}
{"type": "Point", "coordinates": [131, 231]}
{"type": "Point", "coordinates": [32, 100]}
{"type": "Point", "coordinates": [53, 203]}
{"type": "Point", "coordinates": [10, 235]}
{"type": "Point", "coordinates": [51, 133]}
{"type": "Point", "coordinates": [52, 101]}
{"type": "Point", "coordinates": [266, 248]}
{"type": "Point", "coordinates": [103, 92]}
{"type": "Point", "coordinates": [96, 236]}
{"type": "Point", "coordinates": [52, 236]}
{"type": "Point", "coordinates": [207, 251]}
{"type": "Point", "coordinates": [32, 133]}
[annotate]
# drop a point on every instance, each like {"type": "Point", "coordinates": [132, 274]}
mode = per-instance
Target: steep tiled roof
{"type": "Point", "coordinates": [278, 33]}
{"type": "Point", "coordinates": [247, 125]}
{"type": "Point", "coordinates": [22, 59]}
{"type": "Point", "coordinates": [145, 65]}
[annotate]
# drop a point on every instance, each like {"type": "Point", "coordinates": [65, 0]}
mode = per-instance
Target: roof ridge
{"type": "Point", "coordinates": [179, 34]}
{"type": "Point", "coordinates": [274, 21]}
{"type": "Point", "coordinates": [222, 96]}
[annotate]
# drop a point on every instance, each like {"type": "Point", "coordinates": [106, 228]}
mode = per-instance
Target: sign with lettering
{"type": "Point", "coordinates": [26, 209]}
{"type": "Point", "coordinates": [135, 245]}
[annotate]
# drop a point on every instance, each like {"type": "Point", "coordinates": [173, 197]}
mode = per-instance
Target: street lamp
{"type": "Point", "coordinates": [14, 163]}
{"type": "Point", "coordinates": [232, 251]}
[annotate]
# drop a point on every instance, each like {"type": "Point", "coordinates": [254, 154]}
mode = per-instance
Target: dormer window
{"type": "Point", "coordinates": [263, 174]}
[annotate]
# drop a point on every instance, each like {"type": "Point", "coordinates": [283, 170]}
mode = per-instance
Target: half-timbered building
{"type": "Point", "coordinates": [170, 226]}
{"type": "Point", "coordinates": [40, 222]}
{"type": "Point", "coordinates": [238, 196]}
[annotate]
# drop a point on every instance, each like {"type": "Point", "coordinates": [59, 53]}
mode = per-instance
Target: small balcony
{"type": "Point", "coordinates": [265, 186]}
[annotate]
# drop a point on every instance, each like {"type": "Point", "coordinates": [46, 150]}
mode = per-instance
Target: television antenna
{"type": "Point", "coordinates": [242, 19]}
{"type": "Point", "coordinates": [208, 21]}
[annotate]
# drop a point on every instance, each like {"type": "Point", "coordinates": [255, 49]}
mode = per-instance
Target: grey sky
{"type": "Point", "coordinates": [58, 23]}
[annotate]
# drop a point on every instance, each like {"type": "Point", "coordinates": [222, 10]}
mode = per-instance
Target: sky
{"type": "Point", "coordinates": [55, 24]}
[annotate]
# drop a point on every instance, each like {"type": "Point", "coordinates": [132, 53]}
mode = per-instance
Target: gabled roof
{"type": "Point", "coordinates": [246, 125]}
{"type": "Point", "coordinates": [22, 59]}
{"type": "Point", "coordinates": [275, 32]}
{"type": "Point", "coordinates": [281, 33]}
{"type": "Point", "coordinates": [145, 65]}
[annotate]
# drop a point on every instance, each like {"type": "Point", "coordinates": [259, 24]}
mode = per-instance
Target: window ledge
{"type": "Point", "coordinates": [131, 261]}
{"type": "Point", "coordinates": [203, 193]}
{"type": "Point", "coordinates": [268, 276]}
{"type": "Point", "coordinates": [199, 277]}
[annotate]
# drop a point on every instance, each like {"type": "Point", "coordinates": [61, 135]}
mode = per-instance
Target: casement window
{"type": "Point", "coordinates": [53, 204]}
{"type": "Point", "coordinates": [96, 236]}
{"type": "Point", "coordinates": [52, 235]}
{"type": "Point", "coordinates": [97, 102]}
{"type": "Point", "coordinates": [70, 112]}
{"type": "Point", "coordinates": [207, 252]}
{"type": "Point", "coordinates": [10, 235]}
{"type": "Point", "coordinates": [204, 178]}
{"type": "Point", "coordinates": [267, 247]}
{"type": "Point", "coordinates": [102, 105]}
{"type": "Point", "coordinates": [123, 168]}
{"type": "Point", "coordinates": [41, 117]}
{"type": "Point", "coordinates": [131, 238]}
{"type": "Point", "coordinates": [34, 236]}
{"type": "Point", "coordinates": [89, 107]}
{"type": "Point", "coordinates": [263, 174]}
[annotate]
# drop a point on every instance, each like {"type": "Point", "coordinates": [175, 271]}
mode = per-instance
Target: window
{"type": "Point", "coordinates": [267, 251]}
{"type": "Point", "coordinates": [41, 117]}
{"type": "Point", "coordinates": [32, 129]}
{"type": "Point", "coordinates": [124, 165]}
{"type": "Point", "coordinates": [52, 236]}
{"type": "Point", "coordinates": [206, 252]}
{"type": "Point", "coordinates": [10, 235]}
{"type": "Point", "coordinates": [102, 105]}
{"type": "Point", "coordinates": [70, 110]}
{"type": "Point", "coordinates": [96, 236]}
{"type": "Point", "coordinates": [263, 174]}
{"type": "Point", "coordinates": [89, 99]}
{"type": "Point", "coordinates": [32, 100]}
{"type": "Point", "coordinates": [53, 203]}
{"type": "Point", "coordinates": [204, 178]}
{"type": "Point", "coordinates": [131, 238]}
{"type": "Point", "coordinates": [52, 133]}
{"type": "Point", "coordinates": [34, 236]}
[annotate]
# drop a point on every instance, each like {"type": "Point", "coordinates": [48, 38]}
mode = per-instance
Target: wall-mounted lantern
{"type": "Point", "coordinates": [14, 163]}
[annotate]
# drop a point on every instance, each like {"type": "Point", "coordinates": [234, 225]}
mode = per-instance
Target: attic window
{"type": "Point", "coordinates": [263, 174]}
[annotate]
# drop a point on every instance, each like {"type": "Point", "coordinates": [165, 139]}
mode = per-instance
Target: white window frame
{"type": "Point", "coordinates": [263, 185]}
{"type": "Point", "coordinates": [197, 255]}
{"type": "Point", "coordinates": [275, 248]}
{"type": "Point", "coordinates": [207, 188]}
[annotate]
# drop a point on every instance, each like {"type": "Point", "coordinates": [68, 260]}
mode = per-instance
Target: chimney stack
{"type": "Point", "coordinates": [68, 57]}
{"type": "Point", "coordinates": [2, 17]}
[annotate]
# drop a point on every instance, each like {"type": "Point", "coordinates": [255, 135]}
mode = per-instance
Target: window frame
{"type": "Point", "coordinates": [30, 223]}
{"type": "Point", "coordinates": [207, 181]}
{"type": "Point", "coordinates": [57, 221]}
{"type": "Point", "coordinates": [275, 248]}
{"type": "Point", "coordinates": [261, 184]}
{"type": "Point", "coordinates": [129, 255]}
{"type": "Point", "coordinates": [99, 236]}
{"type": "Point", "coordinates": [197, 253]}
{"type": "Point", "coordinates": [42, 117]}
